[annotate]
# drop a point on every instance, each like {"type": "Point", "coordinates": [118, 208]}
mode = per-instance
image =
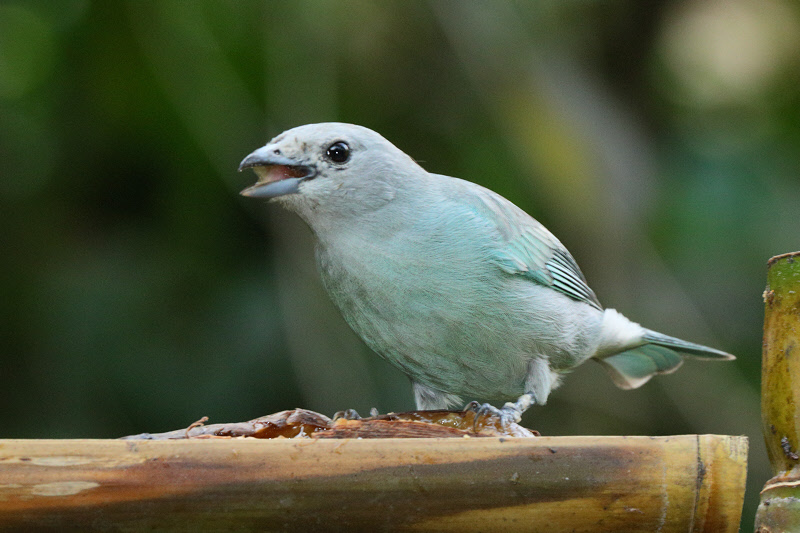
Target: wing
{"type": "Point", "coordinates": [528, 249]}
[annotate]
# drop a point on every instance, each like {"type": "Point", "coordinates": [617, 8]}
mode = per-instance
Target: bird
{"type": "Point", "coordinates": [452, 283]}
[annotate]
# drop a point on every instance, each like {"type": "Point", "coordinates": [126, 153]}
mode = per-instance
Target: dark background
{"type": "Point", "coordinates": [658, 140]}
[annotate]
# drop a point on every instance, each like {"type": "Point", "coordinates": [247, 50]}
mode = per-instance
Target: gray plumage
{"type": "Point", "coordinates": [449, 281]}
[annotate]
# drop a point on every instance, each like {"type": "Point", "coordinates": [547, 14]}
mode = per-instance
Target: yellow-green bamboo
{"type": "Point", "coordinates": [598, 484]}
{"type": "Point", "coordinates": [779, 510]}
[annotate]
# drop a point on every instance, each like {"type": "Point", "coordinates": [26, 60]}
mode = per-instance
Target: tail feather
{"type": "Point", "coordinates": [698, 351]}
{"type": "Point", "coordinates": [661, 354]}
{"type": "Point", "coordinates": [633, 368]}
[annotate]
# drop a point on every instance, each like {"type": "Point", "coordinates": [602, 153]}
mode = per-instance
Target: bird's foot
{"type": "Point", "coordinates": [510, 413]}
{"type": "Point", "coordinates": [352, 414]}
{"type": "Point", "coordinates": [347, 414]}
{"type": "Point", "coordinates": [507, 415]}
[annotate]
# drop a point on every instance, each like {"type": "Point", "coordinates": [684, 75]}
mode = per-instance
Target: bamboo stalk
{"type": "Point", "coordinates": [599, 484]}
{"type": "Point", "coordinates": [779, 509]}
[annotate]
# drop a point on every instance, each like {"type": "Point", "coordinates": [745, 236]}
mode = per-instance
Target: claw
{"type": "Point", "coordinates": [471, 406]}
{"type": "Point", "coordinates": [347, 414]}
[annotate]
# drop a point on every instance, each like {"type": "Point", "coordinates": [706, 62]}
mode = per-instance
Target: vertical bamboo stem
{"type": "Point", "coordinates": [780, 395]}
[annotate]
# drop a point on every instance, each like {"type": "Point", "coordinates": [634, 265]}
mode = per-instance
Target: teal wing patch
{"type": "Point", "coordinates": [528, 249]}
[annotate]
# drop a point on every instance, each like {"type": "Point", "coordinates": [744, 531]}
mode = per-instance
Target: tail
{"type": "Point", "coordinates": [653, 354]}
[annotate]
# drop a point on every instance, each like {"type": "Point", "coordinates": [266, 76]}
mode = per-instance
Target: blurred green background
{"type": "Point", "coordinates": [659, 140]}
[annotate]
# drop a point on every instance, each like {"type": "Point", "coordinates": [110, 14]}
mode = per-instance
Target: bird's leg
{"type": "Point", "coordinates": [520, 406]}
{"type": "Point", "coordinates": [429, 399]}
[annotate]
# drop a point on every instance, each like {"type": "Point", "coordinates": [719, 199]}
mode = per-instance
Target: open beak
{"type": "Point", "coordinates": [277, 175]}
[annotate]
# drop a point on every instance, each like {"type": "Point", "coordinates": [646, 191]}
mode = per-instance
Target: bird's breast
{"type": "Point", "coordinates": [438, 316]}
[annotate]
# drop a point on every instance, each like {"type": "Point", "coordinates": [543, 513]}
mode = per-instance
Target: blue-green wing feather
{"type": "Point", "coordinates": [527, 248]}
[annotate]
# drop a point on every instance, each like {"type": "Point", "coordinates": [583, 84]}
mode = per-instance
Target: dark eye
{"type": "Point", "coordinates": [338, 152]}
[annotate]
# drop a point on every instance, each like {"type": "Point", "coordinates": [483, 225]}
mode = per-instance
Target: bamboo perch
{"type": "Point", "coordinates": [598, 484]}
{"type": "Point", "coordinates": [779, 510]}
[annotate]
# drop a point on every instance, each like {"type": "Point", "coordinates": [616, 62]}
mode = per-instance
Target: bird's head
{"type": "Point", "coordinates": [330, 167]}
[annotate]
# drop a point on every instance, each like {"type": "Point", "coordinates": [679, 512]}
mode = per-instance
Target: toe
{"type": "Point", "coordinates": [347, 414]}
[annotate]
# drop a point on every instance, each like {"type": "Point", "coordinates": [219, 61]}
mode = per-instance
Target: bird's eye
{"type": "Point", "coordinates": [338, 152]}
